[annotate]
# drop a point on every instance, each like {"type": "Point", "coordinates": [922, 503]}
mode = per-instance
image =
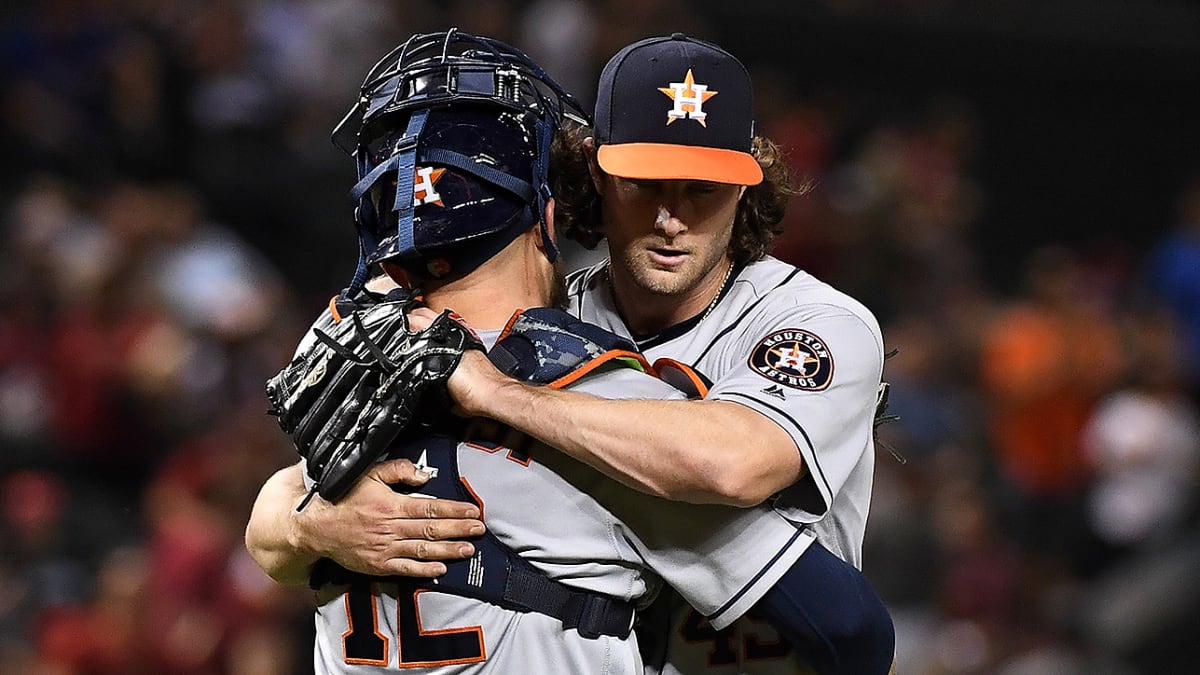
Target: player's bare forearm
{"type": "Point", "coordinates": [704, 452]}
{"type": "Point", "coordinates": [713, 452]}
{"type": "Point", "coordinates": [269, 533]}
{"type": "Point", "coordinates": [373, 529]}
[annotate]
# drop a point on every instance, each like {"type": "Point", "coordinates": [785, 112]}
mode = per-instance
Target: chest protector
{"type": "Point", "coordinates": [540, 346]}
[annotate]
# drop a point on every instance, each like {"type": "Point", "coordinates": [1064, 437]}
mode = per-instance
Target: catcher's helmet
{"type": "Point", "coordinates": [451, 134]}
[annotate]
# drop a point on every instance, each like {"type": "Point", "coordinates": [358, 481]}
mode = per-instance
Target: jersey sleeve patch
{"type": "Point", "coordinates": [794, 358]}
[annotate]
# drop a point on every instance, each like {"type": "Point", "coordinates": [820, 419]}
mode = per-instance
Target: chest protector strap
{"type": "Point", "coordinates": [540, 346]}
{"type": "Point", "coordinates": [495, 574]}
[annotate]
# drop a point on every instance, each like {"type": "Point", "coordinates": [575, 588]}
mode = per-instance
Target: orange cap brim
{"type": "Point", "coordinates": [663, 161]}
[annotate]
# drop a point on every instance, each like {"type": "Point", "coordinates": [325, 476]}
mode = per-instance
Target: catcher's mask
{"type": "Point", "coordinates": [451, 135]}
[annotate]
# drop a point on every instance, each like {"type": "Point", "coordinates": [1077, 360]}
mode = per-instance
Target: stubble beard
{"type": "Point", "coordinates": [671, 284]}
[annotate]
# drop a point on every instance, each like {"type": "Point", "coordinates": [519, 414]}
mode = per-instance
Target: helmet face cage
{"type": "Point", "coordinates": [421, 79]}
{"type": "Point", "coordinates": [459, 218]}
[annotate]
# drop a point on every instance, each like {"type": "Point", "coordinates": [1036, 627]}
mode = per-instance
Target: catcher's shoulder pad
{"type": "Point", "coordinates": [549, 346]}
{"type": "Point", "coordinates": [683, 377]}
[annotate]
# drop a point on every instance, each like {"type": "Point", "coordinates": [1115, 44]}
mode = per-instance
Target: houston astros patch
{"type": "Point", "coordinates": [794, 358]}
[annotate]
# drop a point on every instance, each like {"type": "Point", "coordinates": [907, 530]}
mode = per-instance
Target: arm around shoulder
{"type": "Point", "coordinates": [373, 529]}
{"type": "Point", "coordinates": [271, 534]}
{"type": "Point", "coordinates": [698, 451]}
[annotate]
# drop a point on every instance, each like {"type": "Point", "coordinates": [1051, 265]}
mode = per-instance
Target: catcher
{"type": "Point", "coordinates": [452, 138]}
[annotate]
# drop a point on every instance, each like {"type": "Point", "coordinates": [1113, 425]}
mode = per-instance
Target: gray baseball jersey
{"type": "Point", "coordinates": [808, 357]}
{"type": "Point", "coordinates": [581, 529]}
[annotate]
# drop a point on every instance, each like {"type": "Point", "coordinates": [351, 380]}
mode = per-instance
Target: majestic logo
{"type": "Point", "coordinates": [793, 358]}
{"type": "Point", "coordinates": [689, 99]}
{"type": "Point", "coordinates": [774, 390]}
{"type": "Point", "coordinates": [423, 190]}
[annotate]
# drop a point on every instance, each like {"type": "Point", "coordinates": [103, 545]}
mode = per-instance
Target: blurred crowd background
{"type": "Point", "coordinates": [1012, 187]}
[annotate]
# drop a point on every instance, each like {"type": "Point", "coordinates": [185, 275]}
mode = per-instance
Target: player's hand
{"type": "Point", "coordinates": [420, 318]}
{"type": "Point", "coordinates": [473, 383]}
{"type": "Point", "coordinates": [376, 530]}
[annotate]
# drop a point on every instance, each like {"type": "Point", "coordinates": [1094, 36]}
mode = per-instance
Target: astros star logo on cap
{"type": "Point", "coordinates": [689, 99]}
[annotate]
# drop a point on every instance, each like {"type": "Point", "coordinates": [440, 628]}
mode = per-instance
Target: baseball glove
{"type": "Point", "coordinates": [356, 381]}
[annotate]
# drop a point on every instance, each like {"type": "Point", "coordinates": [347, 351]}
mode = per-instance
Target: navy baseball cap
{"type": "Point", "coordinates": [676, 108]}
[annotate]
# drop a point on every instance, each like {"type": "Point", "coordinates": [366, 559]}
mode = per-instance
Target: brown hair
{"type": "Point", "coordinates": [755, 226]}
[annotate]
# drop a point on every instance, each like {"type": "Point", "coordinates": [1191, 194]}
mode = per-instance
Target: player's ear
{"type": "Point", "coordinates": [589, 150]}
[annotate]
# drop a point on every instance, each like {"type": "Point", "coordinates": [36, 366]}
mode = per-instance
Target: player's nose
{"type": "Point", "coordinates": [668, 223]}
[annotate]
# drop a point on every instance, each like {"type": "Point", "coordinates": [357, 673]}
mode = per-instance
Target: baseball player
{"type": "Point", "coordinates": [587, 536]}
{"type": "Point", "coordinates": [689, 206]}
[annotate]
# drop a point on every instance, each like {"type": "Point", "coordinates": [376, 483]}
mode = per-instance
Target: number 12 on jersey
{"type": "Point", "coordinates": [364, 643]}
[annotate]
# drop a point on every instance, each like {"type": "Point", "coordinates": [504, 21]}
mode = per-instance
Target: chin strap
{"type": "Point", "coordinates": [541, 167]}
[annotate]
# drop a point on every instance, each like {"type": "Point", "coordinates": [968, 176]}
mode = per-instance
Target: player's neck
{"type": "Point", "coordinates": [484, 308]}
{"type": "Point", "coordinates": [487, 297]}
